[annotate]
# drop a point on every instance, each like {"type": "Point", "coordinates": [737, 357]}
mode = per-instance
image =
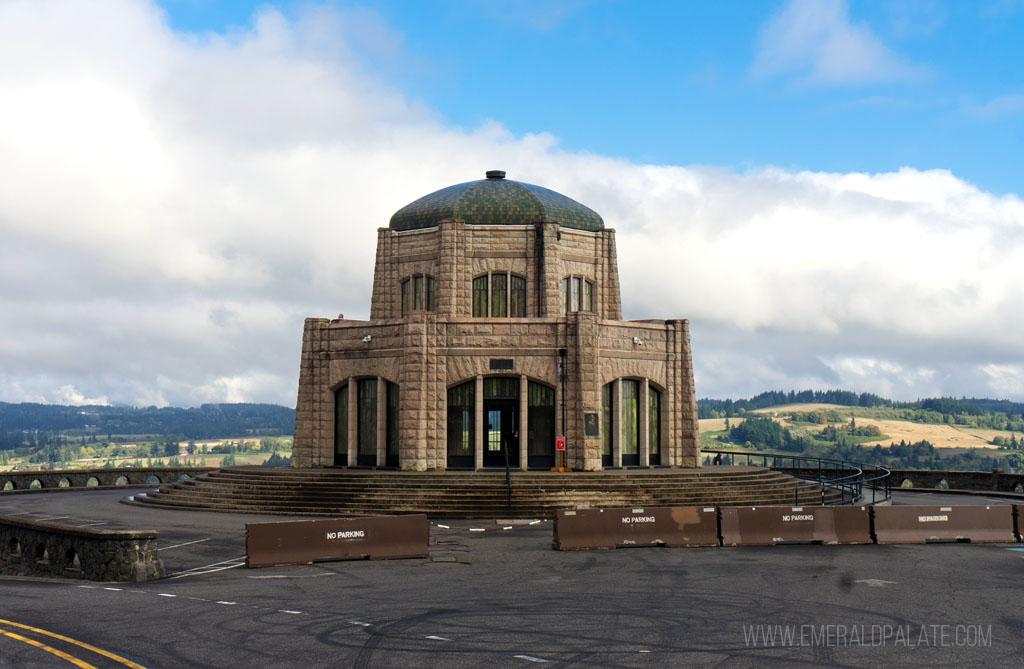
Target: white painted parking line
{"type": "Point", "coordinates": [360, 623]}
{"type": "Point", "coordinates": [268, 576]}
{"type": "Point", "coordinates": [166, 594]}
{"type": "Point", "coordinates": [102, 522]}
{"type": "Point", "coordinates": [436, 638]}
{"type": "Point", "coordinates": [43, 520]}
{"type": "Point", "coordinates": [209, 568]}
{"type": "Point", "coordinates": [535, 522]}
{"type": "Point", "coordinates": [221, 601]}
{"type": "Point", "coordinates": [529, 658]}
{"type": "Point", "coordinates": [477, 529]}
{"type": "Point", "coordinates": [114, 589]}
{"type": "Point", "coordinates": [207, 571]}
{"type": "Point", "coordinates": [444, 526]}
{"type": "Point", "coordinates": [187, 543]}
{"type": "Point", "coordinates": [294, 613]}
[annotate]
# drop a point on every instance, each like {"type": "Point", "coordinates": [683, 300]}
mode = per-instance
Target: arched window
{"type": "Point", "coordinates": [419, 293]}
{"type": "Point", "coordinates": [577, 294]}
{"type": "Point", "coordinates": [499, 294]}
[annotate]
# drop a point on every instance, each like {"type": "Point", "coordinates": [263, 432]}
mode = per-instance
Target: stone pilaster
{"type": "Point", "coordinates": [610, 306]}
{"type": "Point", "coordinates": [306, 405]}
{"type": "Point", "coordinates": [689, 427]}
{"type": "Point", "coordinates": [381, 304]}
{"type": "Point", "coordinates": [454, 282]}
{"type": "Point", "coordinates": [584, 391]}
{"type": "Point", "coordinates": [549, 270]}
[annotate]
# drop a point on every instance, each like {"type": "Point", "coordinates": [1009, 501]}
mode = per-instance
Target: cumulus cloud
{"type": "Point", "coordinates": [172, 206]}
{"type": "Point", "coordinates": [817, 41]}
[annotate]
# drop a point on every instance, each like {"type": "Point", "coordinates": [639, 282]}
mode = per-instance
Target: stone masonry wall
{"type": "Point", "coordinates": [30, 548]}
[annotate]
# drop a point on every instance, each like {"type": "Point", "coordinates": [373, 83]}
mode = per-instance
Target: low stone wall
{"type": "Point", "coordinates": [30, 548]}
{"type": "Point", "coordinates": [996, 480]}
{"type": "Point", "coordinates": [53, 479]}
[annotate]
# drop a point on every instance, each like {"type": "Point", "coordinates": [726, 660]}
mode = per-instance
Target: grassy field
{"type": "Point", "coordinates": [949, 438]}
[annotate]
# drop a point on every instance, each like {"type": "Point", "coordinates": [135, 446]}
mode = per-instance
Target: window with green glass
{"type": "Point", "coordinates": [367, 424]}
{"type": "Point", "coordinates": [577, 294]}
{"type": "Point", "coordinates": [501, 386]}
{"type": "Point", "coordinates": [480, 296]}
{"type": "Point", "coordinates": [406, 296]}
{"type": "Point", "coordinates": [540, 421]}
{"type": "Point", "coordinates": [517, 297]}
{"type": "Point", "coordinates": [499, 295]}
{"type": "Point", "coordinates": [419, 293]}
{"type": "Point", "coordinates": [630, 416]}
{"type": "Point", "coordinates": [461, 408]}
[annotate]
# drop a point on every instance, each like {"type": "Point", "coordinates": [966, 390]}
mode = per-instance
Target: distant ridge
{"type": "Point", "coordinates": [708, 407]}
{"type": "Point", "coordinates": [205, 422]}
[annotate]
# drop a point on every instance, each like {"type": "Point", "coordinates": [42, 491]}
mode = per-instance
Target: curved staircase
{"type": "Point", "coordinates": [348, 492]}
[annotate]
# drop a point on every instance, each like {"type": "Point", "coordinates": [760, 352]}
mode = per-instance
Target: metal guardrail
{"type": "Point", "coordinates": [853, 480]}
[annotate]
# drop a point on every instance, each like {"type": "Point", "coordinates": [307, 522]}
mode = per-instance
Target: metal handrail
{"type": "Point", "coordinates": [849, 478]}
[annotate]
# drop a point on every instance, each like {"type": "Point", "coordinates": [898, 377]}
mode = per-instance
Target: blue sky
{"type": "Point", "coordinates": [829, 191]}
{"type": "Point", "coordinates": [685, 82]}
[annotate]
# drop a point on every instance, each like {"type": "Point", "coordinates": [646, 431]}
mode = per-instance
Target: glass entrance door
{"type": "Point", "coordinates": [501, 432]}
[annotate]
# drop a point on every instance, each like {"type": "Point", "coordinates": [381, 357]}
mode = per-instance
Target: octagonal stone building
{"type": "Point", "coordinates": [495, 328]}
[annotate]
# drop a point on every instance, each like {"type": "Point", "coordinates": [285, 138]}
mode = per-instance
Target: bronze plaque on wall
{"type": "Point", "coordinates": [590, 425]}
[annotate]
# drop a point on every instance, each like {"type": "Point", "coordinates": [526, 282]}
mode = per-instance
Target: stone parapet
{"type": "Point", "coordinates": [32, 548]}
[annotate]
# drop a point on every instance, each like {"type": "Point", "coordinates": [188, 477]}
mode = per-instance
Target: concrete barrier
{"type": "Point", "coordinates": [920, 524]}
{"type": "Point", "coordinates": [770, 525]}
{"type": "Point", "coordinates": [308, 541]}
{"type": "Point", "coordinates": [34, 548]}
{"type": "Point", "coordinates": [611, 528]}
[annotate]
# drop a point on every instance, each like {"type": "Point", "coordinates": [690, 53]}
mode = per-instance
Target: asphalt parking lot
{"type": "Point", "coordinates": [504, 598]}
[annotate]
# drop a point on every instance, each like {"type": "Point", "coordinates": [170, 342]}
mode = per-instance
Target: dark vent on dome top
{"type": "Point", "coordinates": [495, 174]}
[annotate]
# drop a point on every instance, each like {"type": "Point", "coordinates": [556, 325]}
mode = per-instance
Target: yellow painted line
{"type": "Point", "coordinates": [32, 642]}
{"type": "Point", "coordinates": [80, 644]}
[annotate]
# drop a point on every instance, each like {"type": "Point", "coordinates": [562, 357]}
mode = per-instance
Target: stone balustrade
{"type": "Point", "coordinates": [53, 479]}
{"type": "Point", "coordinates": [33, 548]}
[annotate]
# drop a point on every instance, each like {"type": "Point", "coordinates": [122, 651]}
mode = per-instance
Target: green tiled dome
{"type": "Point", "coordinates": [496, 201]}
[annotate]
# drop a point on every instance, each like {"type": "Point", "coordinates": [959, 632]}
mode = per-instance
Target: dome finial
{"type": "Point", "coordinates": [494, 175]}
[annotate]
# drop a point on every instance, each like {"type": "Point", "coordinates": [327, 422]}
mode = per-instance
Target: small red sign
{"type": "Point", "coordinates": [559, 443]}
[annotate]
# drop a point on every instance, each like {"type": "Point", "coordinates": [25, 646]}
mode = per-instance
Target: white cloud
{"type": "Point", "coordinates": [817, 41]}
{"type": "Point", "coordinates": [172, 207]}
{"type": "Point", "coordinates": [1003, 105]}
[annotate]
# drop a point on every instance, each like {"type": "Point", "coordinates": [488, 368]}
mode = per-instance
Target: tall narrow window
{"type": "Point", "coordinates": [654, 427]}
{"type": "Point", "coordinates": [630, 421]}
{"type": "Point", "coordinates": [517, 297]}
{"type": "Point", "coordinates": [540, 425]}
{"type": "Point", "coordinates": [367, 433]}
{"type": "Point", "coordinates": [431, 294]}
{"type": "Point", "coordinates": [418, 293]}
{"type": "Point", "coordinates": [461, 408]}
{"type": "Point", "coordinates": [574, 303]}
{"type": "Point", "coordinates": [607, 392]}
{"type": "Point", "coordinates": [406, 296]}
{"type": "Point", "coordinates": [499, 293]}
{"type": "Point", "coordinates": [480, 296]}
{"type": "Point", "coordinates": [565, 295]}
{"type": "Point", "coordinates": [588, 296]}
{"type": "Point", "coordinates": [341, 426]}
{"type": "Point", "coordinates": [391, 426]}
